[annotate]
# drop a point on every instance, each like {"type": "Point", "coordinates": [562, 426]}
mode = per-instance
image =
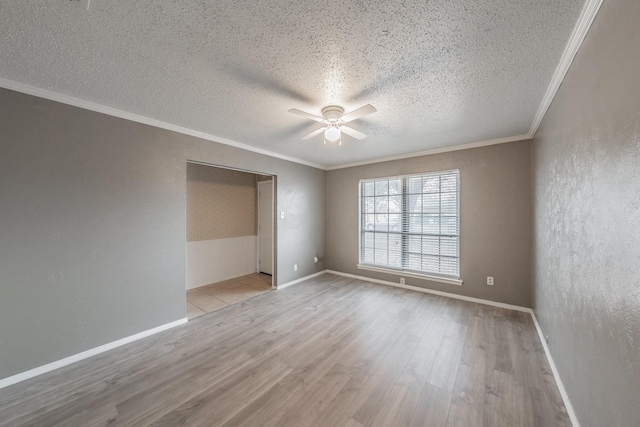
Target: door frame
{"type": "Point", "coordinates": [274, 202]}
{"type": "Point", "coordinates": [271, 182]}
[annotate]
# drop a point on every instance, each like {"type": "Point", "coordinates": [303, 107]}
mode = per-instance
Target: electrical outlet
{"type": "Point", "coordinates": [402, 280]}
{"type": "Point", "coordinates": [295, 267]}
{"type": "Point", "coordinates": [489, 280]}
{"type": "Point", "coordinates": [315, 259]}
{"type": "Point", "coordinates": [282, 215]}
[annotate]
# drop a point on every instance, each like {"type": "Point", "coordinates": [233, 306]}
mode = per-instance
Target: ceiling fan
{"type": "Point", "coordinates": [333, 118]}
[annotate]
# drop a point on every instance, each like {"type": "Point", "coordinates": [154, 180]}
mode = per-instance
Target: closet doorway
{"type": "Point", "coordinates": [265, 227]}
{"type": "Point", "coordinates": [230, 237]}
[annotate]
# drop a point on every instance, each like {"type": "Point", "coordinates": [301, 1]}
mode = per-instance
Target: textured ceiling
{"type": "Point", "coordinates": [441, 72]}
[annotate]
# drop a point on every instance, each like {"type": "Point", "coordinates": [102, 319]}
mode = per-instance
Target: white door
{"type": "Point", "coordinates": [265, 227]}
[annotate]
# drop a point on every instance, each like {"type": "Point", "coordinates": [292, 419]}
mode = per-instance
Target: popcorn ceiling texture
{"type": "Point", "coordinates": [439, 72]}
{"type": "Point", "coordinates": [586, 166]}
{"type": "Point", "coordinates": [221, 203]}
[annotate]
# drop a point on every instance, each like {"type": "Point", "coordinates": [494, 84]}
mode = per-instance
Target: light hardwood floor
{"type": "Point", "coordinates": [328, 352]}
{"type": "Point", "coordinates": [218, 295]}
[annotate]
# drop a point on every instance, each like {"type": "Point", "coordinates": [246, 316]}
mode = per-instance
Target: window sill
{"type": "Point", "coordinates": [457, 282]}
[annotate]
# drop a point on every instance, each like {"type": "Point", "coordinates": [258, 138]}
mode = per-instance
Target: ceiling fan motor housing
{"type": "Point", "coordinates": [332, 113]}
{"type": "Point", "coordinates": [334, 120]}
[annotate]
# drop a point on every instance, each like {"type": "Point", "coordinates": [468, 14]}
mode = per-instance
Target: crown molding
{"type": "Point", "coordinates": [587, 16]}
{"type": "Point", "coordinates": [110, 111]}
{"type": "Point", "coordinates": [92, 106]}
{"type": "Point", "coordinates": [434, 151]}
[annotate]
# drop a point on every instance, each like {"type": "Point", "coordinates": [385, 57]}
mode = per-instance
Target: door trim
{"type": "Point", "coordinates": [273, 229]}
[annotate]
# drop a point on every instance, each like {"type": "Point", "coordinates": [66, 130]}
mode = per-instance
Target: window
{"type": "Point", "coordinates": [411, 224]}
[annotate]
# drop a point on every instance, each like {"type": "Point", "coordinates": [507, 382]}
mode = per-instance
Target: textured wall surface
{"type": "Point", "coordinates": [221, 203]}
{"type": "Point", "coordinates": [93, 226]}
{"type": "Point", "coordinates": [587, 222]}
{"type": "Point", "coordinates": [495, 218]}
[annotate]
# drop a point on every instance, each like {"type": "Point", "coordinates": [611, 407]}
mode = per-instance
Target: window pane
{"type": "Point", "coordinates": [395, 250]}
{"type": "Point", "coordinates": [368, 204]}
{"type": "Point", "coordinates": [449, 203]}
{"type": "Point", "coordinates": [395, 204]}
{"type": "Point", "coordinates": [381, 241]}
{"type": "Point", "coordinates": [412, 222]}
{"type": "Point", "coordinates": [431, 224]}
{"type": "Point", "coordinates": [414, 244]}
{"type": "Point", "coordinates": [413, 262]}
{"type": "Point", "coordinates": [367, 255]}
{"type": "Point", "coordinates": [395, 186]}
{"type": "Point", "coordinates": [368, 222]}
{"type": "Point", "coordinates": [368, 240]}
{"type": "Point", "coordinates": [395, 222]}
{"type": "Point", "coordinates": [415, 185]}
{"type": "Point", "coordinates": [415, 203]}
{"type": "Point", "coordinates": [430, 245]}
{"type": "Point", "coordinates": [449, 266]}
{"type": "Point", "coordinates": [431, 203]}
{"type": "Point", "coordinates": [382, 204]}
{"type": "Point", "coordinates": [430, 263]}
{"type": "Point", "coordinates": [449, 246]}
{"type": "Point", "coordinates": [449, 183]}
{"type": "Point", "coordinates": [449, 225]}
{"type": "Point", "coordinates": [381, 222]}
{"type": "Point", "coordinates": [380, 257]}
{"type": "Point", "coordinates": [415, 223]}
{"type": "Point", "coordinates": [368, 189]}
{"type": "Point", "coordinates": [431, 184]}
{"type": "Point", "coordinates": [382, 188]}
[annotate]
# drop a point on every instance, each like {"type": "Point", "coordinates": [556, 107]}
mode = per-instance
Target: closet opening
{"type": "Point", "coordinates": [230, 255]}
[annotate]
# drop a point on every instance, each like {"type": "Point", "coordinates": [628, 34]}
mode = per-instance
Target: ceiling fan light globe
{"type": "Point", "coordinates": [332, 134]}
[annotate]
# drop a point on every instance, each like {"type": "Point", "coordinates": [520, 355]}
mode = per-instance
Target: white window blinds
{"type": "Point", "coordinates": [411, 223]}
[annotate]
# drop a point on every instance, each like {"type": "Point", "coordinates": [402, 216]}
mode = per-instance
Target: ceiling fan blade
{"type": "Point", "coordinates": [359, 112]}
{"type": "Point", "coordinates": [314, 133]}
{"type": "Point", "coordinates": [353, 133]}
{"type": "Point", "coordinates": [307, 115]}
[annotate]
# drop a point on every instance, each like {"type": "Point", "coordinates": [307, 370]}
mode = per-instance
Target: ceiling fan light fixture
{"type": "Point", "coordinates": [334, 119]}
{"type": "Point", "coordinates": [332, 134]}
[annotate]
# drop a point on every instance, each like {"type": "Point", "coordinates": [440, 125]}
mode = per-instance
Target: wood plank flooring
{"type": "Point", "coordinates": [328, 352]}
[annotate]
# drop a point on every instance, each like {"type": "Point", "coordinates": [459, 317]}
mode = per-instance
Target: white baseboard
{"type": "Point", "coordinates": [431, 291]}
{"type": "Point", "coordinates": [5, 382]}
{"type": "Point", "coordinates": [92, 352]}
{"type": "Point", "coordinates": [556, 374]}
{"type": "Point", "coordinates": [302, 279]}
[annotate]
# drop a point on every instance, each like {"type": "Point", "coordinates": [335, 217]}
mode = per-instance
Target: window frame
{"type": "Point", "coordinates": [403, 270]}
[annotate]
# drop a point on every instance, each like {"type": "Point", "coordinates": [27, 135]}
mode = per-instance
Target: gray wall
{"type": "Point", "coordinates": [495, 219]}
{"type": "Point", "coordinates": [586, 291]}
{"type": "Point", "coordinates": [92, 226]}
{"type": "Point", "coordinates": [221, 203]}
